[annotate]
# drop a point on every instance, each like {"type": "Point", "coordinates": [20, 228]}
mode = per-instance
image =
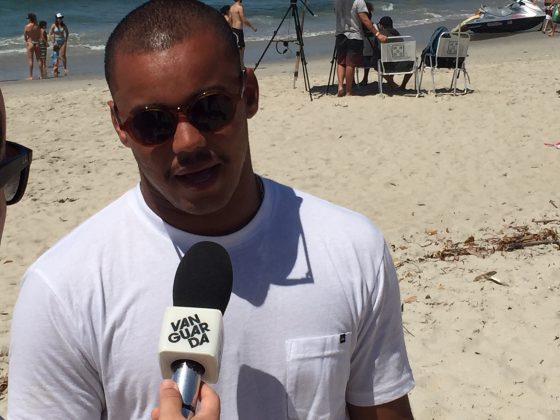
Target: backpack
{"type": "Point", "coordinates": [556, 13]}
{"type": "Point", "coordinates": [431, 48]}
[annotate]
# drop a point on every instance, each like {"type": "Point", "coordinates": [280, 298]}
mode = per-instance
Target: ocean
{"type": "Point", "coordinates": [90, 23]}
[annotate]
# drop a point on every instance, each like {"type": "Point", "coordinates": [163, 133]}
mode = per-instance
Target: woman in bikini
{"type": "Point", "coordinates": [59, 34]}
{"type": "Point", "coordinates": [31, 34]}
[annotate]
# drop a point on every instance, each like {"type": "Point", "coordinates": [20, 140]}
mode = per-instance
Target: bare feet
{"type": "Point", "coordinates": [29, 78]}
{"type": "Point", "coordinates": [340, 93]}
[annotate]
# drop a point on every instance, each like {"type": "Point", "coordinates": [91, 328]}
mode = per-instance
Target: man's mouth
{"type": "Point", "coordinates": [200, 178]}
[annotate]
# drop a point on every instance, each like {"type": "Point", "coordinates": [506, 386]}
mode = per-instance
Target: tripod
{"type": "Point", "coordinates": [332, 71]}
{"type": "Point", "coordinates": [293, 8]}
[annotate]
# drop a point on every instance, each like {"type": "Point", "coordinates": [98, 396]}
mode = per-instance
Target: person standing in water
{"type": "Point", "coordinates": [59, 34]}
{"type": "Point", "coordinates": [237, 20]}
{"type": "Point", "coordinates": [31, 35]}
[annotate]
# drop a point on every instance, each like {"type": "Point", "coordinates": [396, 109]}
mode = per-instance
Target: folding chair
{"type": "Point", "coordinates": [451, 53]}
{"type": "Point", "coordinates": [398, 57]}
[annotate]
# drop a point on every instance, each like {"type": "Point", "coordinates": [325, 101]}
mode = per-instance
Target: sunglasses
{"type": "Point", "coordinates": [14, 171]}
{"type": "Point", "coordinates": [155, 124]}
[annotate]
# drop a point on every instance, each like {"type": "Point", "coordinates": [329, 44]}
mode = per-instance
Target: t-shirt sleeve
{"type": "Point", "coordinates": [380, 371]}
{"type": "Point", "coordinates": [51, 375]}
{"type": "Point", "coordinates": [360, 6]}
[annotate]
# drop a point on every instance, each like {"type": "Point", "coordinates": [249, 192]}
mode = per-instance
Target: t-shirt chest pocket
{"type": "Point", "coordinates": [317, 373]}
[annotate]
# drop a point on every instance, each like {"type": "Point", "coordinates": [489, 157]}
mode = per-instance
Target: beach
{"type": "Point", "coordinates": [452, 181]}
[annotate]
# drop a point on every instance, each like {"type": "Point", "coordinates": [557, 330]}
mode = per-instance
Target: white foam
{"type": "Point", "coordinates": [13, 51]}
{"type": "Point", "coordinates": [388, 8]}
{"type": "Point", "coordinates": [94, 47]}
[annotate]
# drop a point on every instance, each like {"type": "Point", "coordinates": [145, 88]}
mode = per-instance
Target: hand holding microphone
{"type": "Point", "coordinates": [170, 403]}
{"type": "Point", "coordinates": [190, 346]}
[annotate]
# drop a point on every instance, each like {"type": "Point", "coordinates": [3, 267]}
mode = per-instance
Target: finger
{"type": "Point", "coordinates": [209, 407]}
{"type": "Point", "coordinates": [169, 399]}
{"type": "Point", "coordinates": [155, 414]}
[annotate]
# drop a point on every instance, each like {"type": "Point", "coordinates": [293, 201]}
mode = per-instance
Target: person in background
{"type": "Point", "coordinates": [32, 35]}
{"type": "Point", "coordinates": [43, 45]}
{"type": "Point", "coordinates": [351, 18]}
{"type": "Point", "coordinates": [224, 10]}
{"type": "Point", "coordinates": [59, 35]}
{"type": "Point", "coordinates": [369, 60]}
{"type": "Point", "coordinates": [386, 28]}
{"type": "Point", "coordinates": [555, 17]}
{"type": "Point", "coordinates": [93, 303]}
{"type": "Point", "coordinates": [236, 20]}
{"type": "Point", "coordinates": [548, 4]}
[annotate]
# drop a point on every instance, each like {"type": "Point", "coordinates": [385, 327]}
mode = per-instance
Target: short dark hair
{"type": "Point", "coordinates": [160, 24]}
{"type": "Point", "coordinates": [386, 21]}
{"type": "Point", "coordinates": [224, 10]}
{"type": "Point", "coordinates": [42, 24]}
{"type": "Point", "coordinates": [32, 17]}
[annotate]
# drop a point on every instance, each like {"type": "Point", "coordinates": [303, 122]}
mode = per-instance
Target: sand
{"type": "Point", "coordinates": [431, 172]}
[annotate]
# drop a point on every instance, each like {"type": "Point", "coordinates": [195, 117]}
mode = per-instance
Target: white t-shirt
{"type": "Point", "coordinates": [347, 21]}
{"type": "Point", "coordinates": [313, 321]}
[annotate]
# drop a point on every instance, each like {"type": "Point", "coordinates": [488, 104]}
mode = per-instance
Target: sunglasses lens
{"type": "Point", "coordinates": [212, 112]}
{"type": "Point", "coordinates": [11, 187]}
{"type": "Point", "coordinates": [154, 126]}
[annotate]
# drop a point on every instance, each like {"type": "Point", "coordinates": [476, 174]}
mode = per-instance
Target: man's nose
{"type": "Point", "coordinates": [187, 137]}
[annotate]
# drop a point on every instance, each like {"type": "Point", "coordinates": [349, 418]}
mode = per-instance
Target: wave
{"type": "Point", "coordinates": [291, 37]}
{"type": "Point", "coordinates": [388, 8]}
{"type": "Point", "coordinates": [13, 51]}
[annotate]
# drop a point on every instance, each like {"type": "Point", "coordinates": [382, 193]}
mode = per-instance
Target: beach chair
{"type": "Point", "coordinates": [450, 54]}
{"type": "Point", "coordinates": [398, 57]}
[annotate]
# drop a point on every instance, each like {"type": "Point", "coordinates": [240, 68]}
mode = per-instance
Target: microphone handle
{"type": "Point", "coordinates": [187, 375]}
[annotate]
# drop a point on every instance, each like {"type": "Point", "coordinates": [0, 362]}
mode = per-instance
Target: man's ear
{"type": "Point", "coordinates": [251, 95]}
{"type": "Point", "coordinates": [120, 132]}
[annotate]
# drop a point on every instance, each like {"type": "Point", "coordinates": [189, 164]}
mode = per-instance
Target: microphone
{"type": "Point", "coordinates": [190, 344]}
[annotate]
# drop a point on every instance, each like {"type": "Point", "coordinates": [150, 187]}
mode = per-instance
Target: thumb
{"type": "Point", "coordinates": [170, 401]}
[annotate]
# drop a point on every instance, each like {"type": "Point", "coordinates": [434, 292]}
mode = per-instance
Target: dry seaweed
{"type": "Point", "coordinates": [521, 238]}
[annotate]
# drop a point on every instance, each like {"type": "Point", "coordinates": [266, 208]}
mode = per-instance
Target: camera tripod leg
{"type": "Point", "coordinates": [294, 10]}
{"type": "Point", "coordinates": [299, 35]}
{"type": "Point", "coordinates": [332, 71]}
{"type": "Point", "coordinates": [272, 39]}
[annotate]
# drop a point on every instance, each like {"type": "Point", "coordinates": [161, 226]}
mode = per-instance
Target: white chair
{"type": "Point", "coordinates": [398, 57]}
{"type": "Point", "coordinates": [451, 53]}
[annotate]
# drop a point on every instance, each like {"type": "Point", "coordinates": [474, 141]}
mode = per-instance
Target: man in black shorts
{"type": "Point", "coordinates": [351, 16]}
{"type": "Point", "coordinates": [237, 20]}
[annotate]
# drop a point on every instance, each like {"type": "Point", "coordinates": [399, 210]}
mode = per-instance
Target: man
{"type": "Point", "coordinates": [31, 36]}
{"type": "Point", "coordinates": [351, 18]}
{"type": "Point", "coordinates": [387, 29]}
{"type": "Point", "coordinates": [237, 20]}
{"type": "Point", "coordinates": [313, 327]}
{"type": "Point", "coordinates": [15, 161]}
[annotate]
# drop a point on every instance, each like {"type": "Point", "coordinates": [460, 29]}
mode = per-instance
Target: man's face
{"type": "Point", "coordinates": [195, 173]}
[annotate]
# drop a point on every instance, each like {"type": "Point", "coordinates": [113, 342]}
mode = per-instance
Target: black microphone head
{"type": "Point", "coordinates": [204, 278]}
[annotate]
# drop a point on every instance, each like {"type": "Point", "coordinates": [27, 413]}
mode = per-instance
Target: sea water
{"type": "Point", "coordinates": [90, 23]}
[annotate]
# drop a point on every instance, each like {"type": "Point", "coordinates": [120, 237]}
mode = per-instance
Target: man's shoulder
{"type": "Point", "coordinates": [325, 217]}
{"type": "Point", "coordinates": [92, 235]}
